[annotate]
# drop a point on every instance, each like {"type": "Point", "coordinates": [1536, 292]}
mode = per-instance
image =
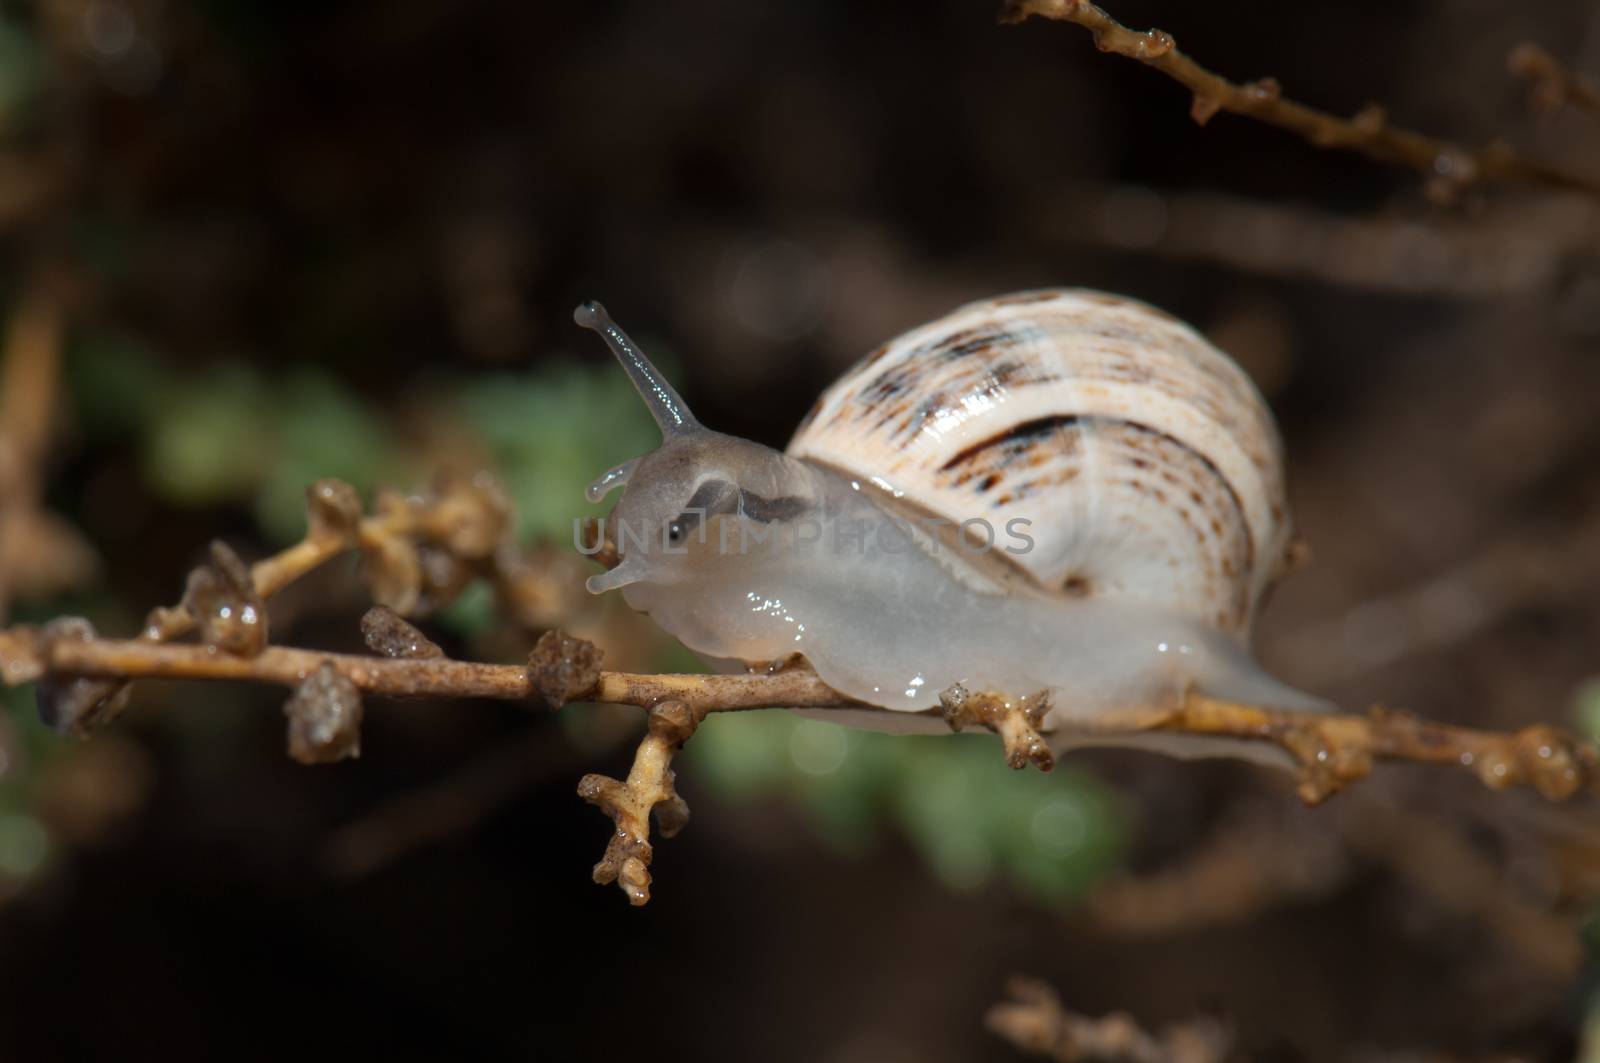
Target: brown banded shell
{"type": "Point", "coordinates": [1143, 458]}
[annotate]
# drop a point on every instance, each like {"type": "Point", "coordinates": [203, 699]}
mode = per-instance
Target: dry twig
{"type": "Point", "coordinates": [1330, 750]}
{"type": "Point", "coordinates": [419, 552]}
{"type": "Point", "coordinates": [1333, 750]}
{"type": "Point", "coordinates": [648, 788]}
{"type": "Point", "coordinates": [1449, 169]}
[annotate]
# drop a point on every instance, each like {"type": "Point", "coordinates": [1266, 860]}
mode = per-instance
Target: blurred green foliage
{"type": "Point", "coordinates": [21, 69]}
{"type": "Point", "coordinates": [229, 434]}
{"type": "Point", "coordinates": [969, 816]}
{"type": "Point", "coordinates": [550, 434]}
{"type": "Point", "coordinates": [26, 745]}
{"type": "Point", "coordinates": [1586, 709]}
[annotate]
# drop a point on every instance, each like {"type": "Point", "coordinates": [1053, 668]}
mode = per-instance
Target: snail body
{"type": "Point", "coordinates": [1059, 491]}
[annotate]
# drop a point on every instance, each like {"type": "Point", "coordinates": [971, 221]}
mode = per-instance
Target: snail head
{"type": "Point", "coordinates": [667, 524]}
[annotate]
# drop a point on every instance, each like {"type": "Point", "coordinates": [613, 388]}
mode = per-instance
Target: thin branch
{"type": "Point", "coordinates": [26, 655]}
{"type": "Point", "coordinates": [648, 789]}
{"type": "Point", "coordinates": [1332, 750]}
{"type": "Point", "coordinates": [1329, 750]}
{"type": "Point", "coordinates": [1449, 168]}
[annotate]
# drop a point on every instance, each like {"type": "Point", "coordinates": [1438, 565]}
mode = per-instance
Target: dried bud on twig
{"type": "Point", "coordinates": [470, 517]}
{"type": "Point", "coordinates": [76, 706]}
{"type": "Point", "coordinates": [333, 511]}
{"type": "Point", "coordinates": [222, 599]}
{"type": "Point", "coordinates": [387, 633]}
{"type": "Point", "coordinates": [324, 718]}
{"type": "Point", "coordinates": [563, 668]}
{"type": "Point", "coordinates": [649, 786]}
{"type": "Point", "coordinates": [444, 577]}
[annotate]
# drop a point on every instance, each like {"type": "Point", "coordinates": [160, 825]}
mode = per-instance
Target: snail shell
{"type": "Point", "coordinates": [1145, 460]}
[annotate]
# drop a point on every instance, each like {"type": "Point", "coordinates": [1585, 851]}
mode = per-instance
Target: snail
{"type": "Point", "coordinates": [1060, 490]}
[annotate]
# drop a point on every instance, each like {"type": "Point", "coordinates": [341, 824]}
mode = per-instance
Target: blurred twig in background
{"type": "Point", "coordinates": [1511, 249]}
{"type": "Point", "coordinates": [1264, 856]}
{"type": "Point", "coordinates": [1034, 1021]}
{"type": "Point", "coordinates": [1449, 169]}
{"type": "Point", "coordinates": [444, 809]}
{"type": "Point", "coordinates": [1551, 85]}
{"type": "Point", "coordinates": [40, 554]}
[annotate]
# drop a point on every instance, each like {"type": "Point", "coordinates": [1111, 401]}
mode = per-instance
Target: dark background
{"type": "Point", "coordinates": [392, 195]}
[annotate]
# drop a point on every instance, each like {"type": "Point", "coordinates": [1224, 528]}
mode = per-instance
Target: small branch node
{"type": "Point", "coordinates": [1204, 107]}
{"type": "Point", "coordinates": [468, 516]}
{"type": "Point", "coordinates": [333, 512]}
{"type": "Point", "coordinates": [1152, 44]}
{"type": "Point", "coordinates": [1541, 756]}
{"type": "Point", "coordinates": [1329, 756]}
{"type": "Point", "coordinates": [393, 570]}
{"type": "Point", "coordinates": [1015, 720]}
{"type": "Point", "coordinates": [74, 706]}
{"type": "Point", "coordinates": [1264, 90]}
{"type": "Point", "coordinates": [221, 598]}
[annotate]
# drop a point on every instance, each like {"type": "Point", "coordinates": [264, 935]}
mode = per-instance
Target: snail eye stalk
{"type": "Point", "coordinates": [666, 405]}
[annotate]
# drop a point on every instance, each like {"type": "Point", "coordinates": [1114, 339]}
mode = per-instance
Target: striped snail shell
{"type": "Point", "coordinates": [1144, 458]}
{"type": "Point", "coordinates": [1133, 468]}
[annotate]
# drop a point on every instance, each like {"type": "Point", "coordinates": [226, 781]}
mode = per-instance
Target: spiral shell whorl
{"type": "Point", "coordinates": [1145, 460]}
